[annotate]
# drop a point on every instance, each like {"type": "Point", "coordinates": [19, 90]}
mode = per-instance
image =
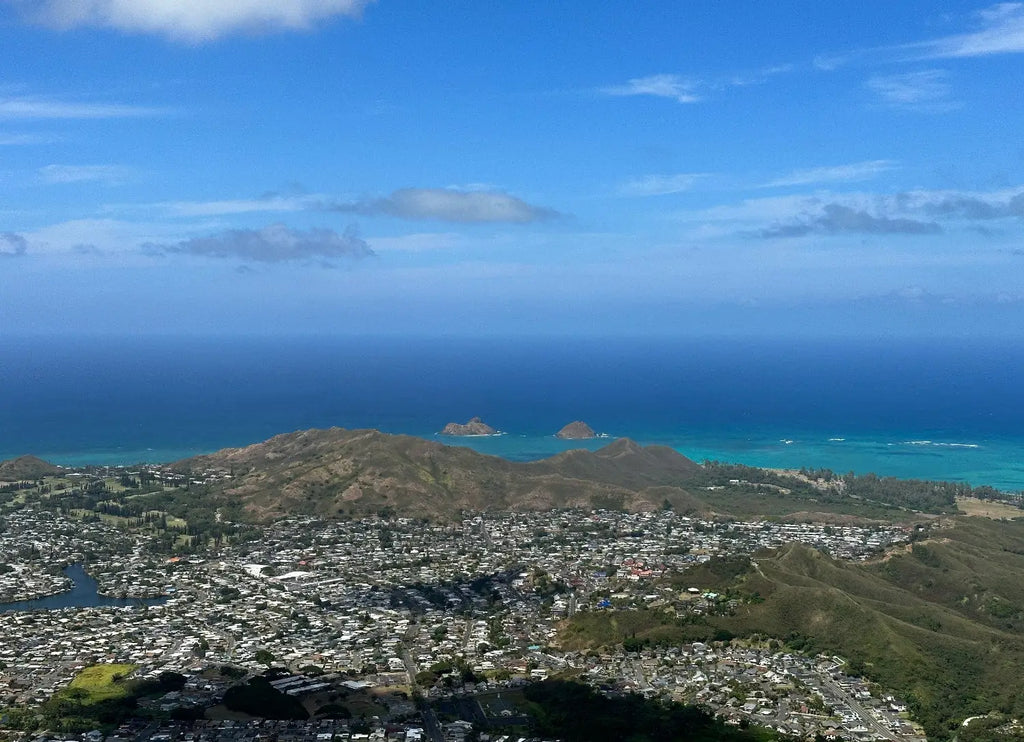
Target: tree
{"type": "Point", "coordinates": [265, 657]}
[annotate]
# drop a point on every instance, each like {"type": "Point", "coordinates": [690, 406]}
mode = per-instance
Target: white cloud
{"type": "Point", "coordinates": [447, 205]}
{"type": "Point", "coordinates": [109, 174]}
{"type": "Point", "coordinates": [925, 90]}
{"type": "Point", "coordinates": [235, 206]}
{"type": "Point", "coordinates": [675, 87]}
{"type": "Point", "coordinates": [12, 244]}
{"type": "Point", "coordinates": [836, 218]}
{"type": "Point", "coordinates": [831, 213]}
{"type": "Point", "coordinates": [830, 62]}
{"type": "Point", "coordinates": [690, 90]}
{"type": "Point", "coordinates": [752, 212]}
{"type": "Point", "coordinates": [851, 173]}
{"type": "Point", "coordinates": [46, 108]}
{"type": "Point", "coordinates": [759, 77]}
{"type": "Point", "coordinates": [1001, 32]}
{"type": "Point", "coordinates": [442, 204]}
{"type": "Point", "coordinates": [98, 236]}
{"type": "Point", "coordinates": [275, 243]}
{"type": "Point", "coordinates": [190, 20]}
{"type": "Point", "coordinates": [970, 206]}
{"type": "Point", "coordinates": [15, 140]}
{"type": "Point", "coordinates": [456, 206]}
{"type": "Point", "coordinates": [660, 185]}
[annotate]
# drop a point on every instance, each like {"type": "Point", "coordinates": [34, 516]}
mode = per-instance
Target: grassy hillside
{"type": "Point", "coordinates": [98, 697]}
{"type": "Point", "coordinates": [25, 468]}
{"type": "Point", "coordinates": [940, 622]}
{"type": "Point", "coordinates": [351, 473]}
{"type": "Point", "coordinates": [102, 682]}
{"type": "Point", "coordinates": [339, 472]}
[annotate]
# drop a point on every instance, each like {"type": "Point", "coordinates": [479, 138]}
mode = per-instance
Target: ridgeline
{"type": "Point", "coordinates": [354, 473]}
{"type": "Point", "coordinates": [940, 622]}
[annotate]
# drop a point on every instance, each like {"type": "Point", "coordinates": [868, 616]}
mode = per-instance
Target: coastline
{"type": "Point", "coordinates": [996, 462]}
{"type": "Point", "coordinates": [947, 410]}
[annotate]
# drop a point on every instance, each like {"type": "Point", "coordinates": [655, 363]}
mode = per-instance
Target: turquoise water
{"type": "Point", "coordinates": [949, 409]}
{"type": "Point", "coordinates": [997, 463]}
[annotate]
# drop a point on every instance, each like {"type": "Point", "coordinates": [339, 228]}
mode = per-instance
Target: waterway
{"type": "Point", "coordinates": [84, 593]}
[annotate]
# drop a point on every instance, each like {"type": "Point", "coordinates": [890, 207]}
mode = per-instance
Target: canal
{"type": "Point", "coordinates": [84, 593]}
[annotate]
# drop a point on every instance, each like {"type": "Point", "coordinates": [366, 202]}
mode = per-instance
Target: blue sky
{"type": "Point", "coordinates": [361, 166]}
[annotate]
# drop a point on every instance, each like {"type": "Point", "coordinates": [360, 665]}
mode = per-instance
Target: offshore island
{"type": "Point", "coordinates": [366, 586]}
{"type": "Point", "coordinates": [475, 426]}
{"type": "Point", "coordinates": [576, 431]}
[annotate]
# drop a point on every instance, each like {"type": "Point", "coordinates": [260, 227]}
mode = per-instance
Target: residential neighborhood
{"type": "Point", "coordinates": [388, 608]}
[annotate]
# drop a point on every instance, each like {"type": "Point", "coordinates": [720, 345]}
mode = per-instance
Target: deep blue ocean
{"type": "Point", "coordinates": [949, 409]}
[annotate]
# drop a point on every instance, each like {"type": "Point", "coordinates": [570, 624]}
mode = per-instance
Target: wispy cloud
{"type": "Point", "coordinates": [673, 87]}
{"type": "Point", "coordinates": [997, 213]}
{"type": "Point", "coordinates": [12, 245]}
{"type": "Point", "coordinates": [447, 205]}
{"type": "Point", "coordinates": [1000, 31]}
{"type": "Point", "coordinates": [660, 185]}
{"type": "Point", "coordinates": [48, 108]}
{"type": "Point", "coordinates": [100, 236]}
{"type": "Point", "coordinates": [690, 89]}
{"type": "Point", "coordinates": [17, 140]}
{"type": "Point", "coordinates": [838, 219]}
{"type": "Point", "coordinates": [442, 204]}
{"type": "Point", "coordinates": [829, 62]}
{"type": "Point", "coordinates": [189, 21]}
{"type": "Point", "coordinates": [226, 207]}
{"type": "Point", "coordinates": [966, 206]}
{"type": "Point", "coordinates": [926, 90]}
{"type": "Point", "coordinates": [108, 174]}
{"type": "Point", "coordinates": [757, 77]}
{"type": "Point", "coordinates": [852, 173]}
{"type": "Point", "coordinates": [272, 244]}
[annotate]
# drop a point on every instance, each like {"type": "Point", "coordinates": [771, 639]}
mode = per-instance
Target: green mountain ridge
{"type": "Point", "coordinates": [940, 622]}
{"type": "Point", "coordinates": [358, 472]}
{"type": "Point", "coordinates": [353, 473]}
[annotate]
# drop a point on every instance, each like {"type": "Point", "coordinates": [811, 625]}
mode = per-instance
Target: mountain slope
{"type": "Point", "coordinates": [351, 473]}
{"type": "Point", "coordinates": [356, 472]}
{"type": "Point", "coordinates": [25, 467]}
{"type": "Point", "coordinates": [916, 622]}
{"type": "Point", "coordinates": [940, 622]}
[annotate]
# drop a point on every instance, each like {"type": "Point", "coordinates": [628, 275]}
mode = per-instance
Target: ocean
{"type": "Point", "coordinates": [949, 409]}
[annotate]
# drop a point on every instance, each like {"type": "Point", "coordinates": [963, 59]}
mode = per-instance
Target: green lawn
{"type": "Point", "coordinates": [102, 682]}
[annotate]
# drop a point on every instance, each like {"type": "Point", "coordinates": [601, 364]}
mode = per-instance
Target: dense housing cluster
{"type": "Point", "coordinates": [445, 611]}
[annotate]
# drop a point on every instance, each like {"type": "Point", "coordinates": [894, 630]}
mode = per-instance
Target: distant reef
{"type": "Point", "coordinates": [576, 431]}
{"type": "Point", "coordinates": [25, 467]}
{"type": "Point", "coordinates": [475, 426]}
